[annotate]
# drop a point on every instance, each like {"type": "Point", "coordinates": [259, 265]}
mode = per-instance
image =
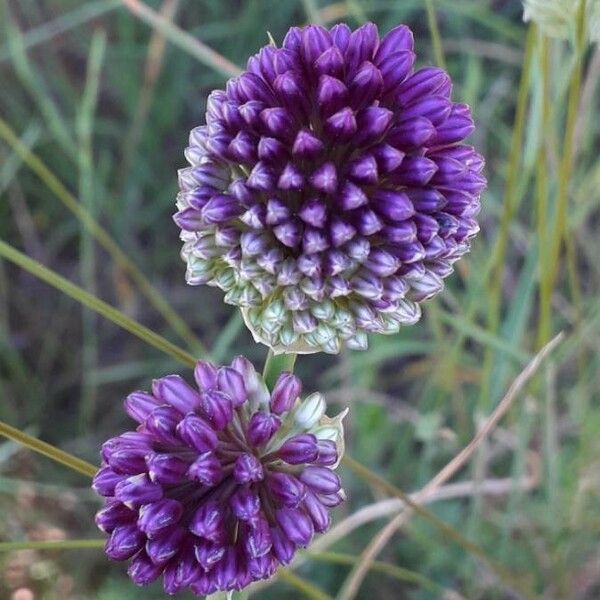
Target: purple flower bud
{"type": "Point", "coordinates": [128, 460]}
{"type": "Point", "coordinates": [307, 145]}
{"type": "Point", "coordinates": [457, 126]}
{"type": "Point", "coordinates": [364, 169]}
{"type": "Point", "coordinates": [114, 515]}
{"type": "Point", "coordinates": [166, 469]}
{"type": "Point", "coordinates": [290, 179]}
{"type": "Point", "coordinates": [105, 481]}
{"type": "Point", "coordinates": [340, 35]}
{"type": "Point", "coordinates": [332, 500]}
{"type": "Point", "coordinates": [283, 548]}
{"type": "Point", "coordinates": [247, 469]}
{"type": "Point", "coordinates": [262, 567]}
{"type": "Point", "coordinates": [332, 94]}
{"type": "Point", "coordinates": [208, 522]}
{"type": "Point", "coordinates": [220, 209]}
{"type": "Point", "coordinates": [286, 488]}
{"type": "Point", "coordinates": [327, 453]}
{"type": "Point", "coordinates": [197, 433]}
{"type": "Point", "coordinates": [287, 388]}
{"type": "Point", "coordinates": [398, 39]}
{"type": "Point", "coordinates": [279, 123]}
{"type": "Point", "coordinates": [181, 573]}
{"type": "Point", "coordinates": [317, 511]}
{"type": "Point", "coordinates": [331, 62]}
{"type": "Point", "coordinates": [257, 541]}
{"type": "Point", "coordinates": [137, 490]}
{"type": "Point", "coordinates": [261, 428]}
{"type": "Point", "coordinates": [412, 133]}
{"type": "Point", "coordinates": [231, 383]}
{"type": "Point", "coordinates": [162, 424]}
{"type": "Point", "coordinates": [388, 158]}
{"type": "Point", "coordinates": [361, 46]}
{"type": "Point", "coordinates": [206, 469]}
{"type": "Point", "coordinates": [315, 41]}
{"type": "Point", "coordinates": [350, 197]}
{"type": "Point", "coordinates": [218, 408]}
{"type": "Point", "coordinates": [341, 126]}
{"type": "Point", "coordinates": [165, 546]}
{"type": "Point", "coordinates": [424, 82]}
{"type": "Point", "coordinates": [373, 122]}
{"type": "Point", "coordinates": [324, 179]}
{"type": "Point", "coordinates": [142, 570]}
{"type": "Point", "coordinates": [321, 480]}
{"type": "Point", "coordinates": [124, 542]}
{"type": "Point", "coordinates": [139, 405]}
{"type": "Point", "coordinates": [366, 85]}
{"type": "Point", "coordinates": [245, 504]}
{"type": "Point", "coordinates": [205, 375]}
{"type": "Point", "coordinates": [299, 449]}
{"type": "Point", "coordinates": [175, 391]}
{"type": "Point", "coordinates": [209, 554]}
{"type": "Point", "coordinates": [392, 205]}
{"type": "Point", "coordinates": [289, 233]}
{"type": "Point", "coordinates": [271, 150]}
{"type": "Point", "coordinates": [154, 518]}
{"type": "Point", "coordinates": [296, 526]}
{"type": "Point", "coordinates": [395, 68]}
{"type": "Point", "coordinates": [341, 232]}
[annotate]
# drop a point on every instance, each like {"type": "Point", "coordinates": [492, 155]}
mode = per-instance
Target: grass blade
{"type": "Point", "coordinates": [102, 237]}
{"type": "Point", "coordinates": [94, 303]}
{"type": "Point", "coordinates": [60, 456]}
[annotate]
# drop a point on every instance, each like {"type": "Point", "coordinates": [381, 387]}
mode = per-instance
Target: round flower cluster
{"type": "Point", "coordinates": [220, 484]}
{"type": "Point", "coordinates": [329, 192]}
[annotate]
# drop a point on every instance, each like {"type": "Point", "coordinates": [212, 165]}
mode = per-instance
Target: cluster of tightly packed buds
{"type": "Point", "coordinates": [221, 483]}
{"type": "Point", "coordinates": [329, 191]}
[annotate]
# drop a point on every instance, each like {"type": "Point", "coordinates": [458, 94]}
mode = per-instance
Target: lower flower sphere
{"type": "Point", "coordinates": [220, 483]}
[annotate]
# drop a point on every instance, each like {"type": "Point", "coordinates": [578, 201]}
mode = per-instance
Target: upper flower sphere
{"type": "Point", "coordinates": [219, 483]}
{"type": "Point", "coordinates": [329, 193]}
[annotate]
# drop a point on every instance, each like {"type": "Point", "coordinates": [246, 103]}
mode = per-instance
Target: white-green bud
{"type": "Point", "coordinates": [310, 411]}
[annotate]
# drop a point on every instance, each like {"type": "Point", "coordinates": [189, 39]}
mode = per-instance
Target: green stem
{"type": "Point", "coordinates": [277, 364]}
{"type": "Point", "coordinates": [85, 127]}
{"type": "Point", "coordinates": [509, 207]}
{"type": "Point", "coordinates": [308, 589]}
{"type": "Point", "coordinates": [60, 456]}
{"type": "Point", "coordinates": [560, 228]}
{"type": "Point", "coordinates": [436, 38]}
{"type": "Point", "coordinates": [542, 178]}
{"type": "Point", "coordinates": [57, 545]}
{"type": "Point", "coordinates": [94, 303]}
{"type": "Point", "coordinates": [102, 237]}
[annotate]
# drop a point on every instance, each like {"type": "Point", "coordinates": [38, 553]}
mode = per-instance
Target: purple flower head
{"type": "Point", "coordinates": [329, 192]}
{"type": "Point", "coordinates": [220, 483]}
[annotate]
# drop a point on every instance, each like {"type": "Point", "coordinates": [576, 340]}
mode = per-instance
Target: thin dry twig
{"type": "Point", "coordinates": [181, 38]}
{"type": "Point", "coordinates": [356, 577]}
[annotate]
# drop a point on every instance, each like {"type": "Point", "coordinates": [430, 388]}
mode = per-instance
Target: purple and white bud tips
{"type": "Point", "coordinates": [330, 191]}
{"type": "Point", "coordinates": [221, 482]}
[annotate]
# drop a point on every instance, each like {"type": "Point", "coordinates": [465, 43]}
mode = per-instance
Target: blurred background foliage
{"type": "Point", "coordinates": [106, 103]}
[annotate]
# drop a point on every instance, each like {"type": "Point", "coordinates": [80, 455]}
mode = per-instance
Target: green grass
{"type": "Point", "coordinates": [96, 106]}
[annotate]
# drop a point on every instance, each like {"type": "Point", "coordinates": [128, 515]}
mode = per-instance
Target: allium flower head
{"type": "Point", "coordinates": [329, 192]}
{"type": "Point", "coordinates": [220, 483]}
